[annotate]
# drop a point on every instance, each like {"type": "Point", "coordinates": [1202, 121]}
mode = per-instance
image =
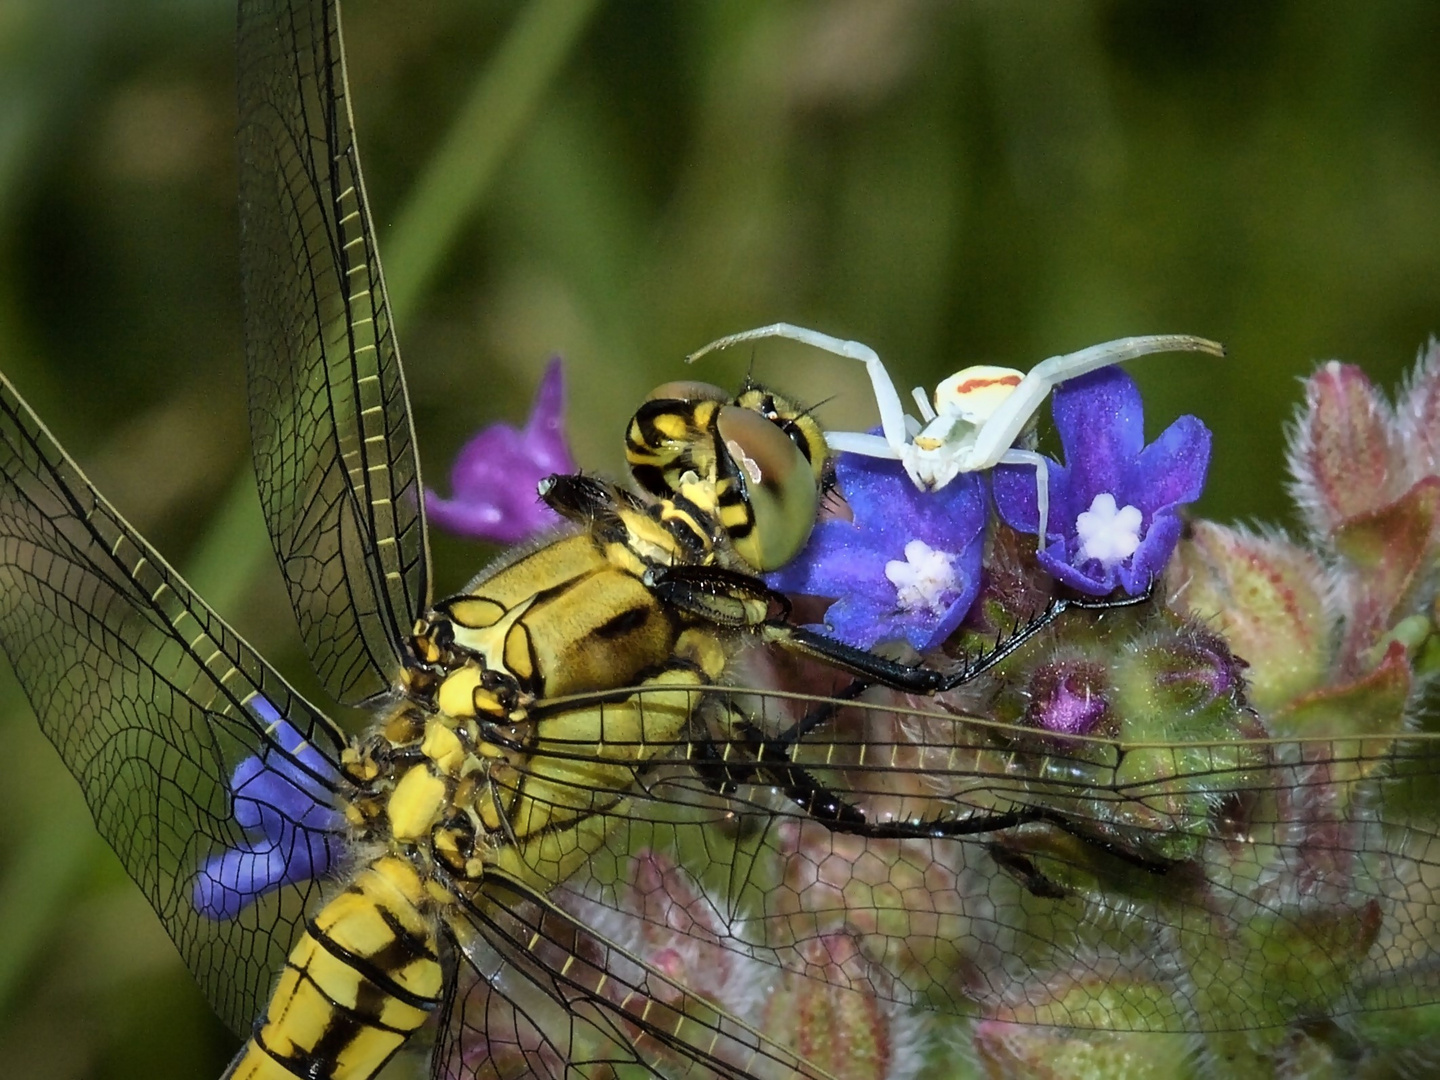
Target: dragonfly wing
{"type": "Point", "coordinates": [926, 857]}
{"type": "Point", "coordinates": [542, 991]}
{"type": "Point", "coordinates": [156, 705]}
{"type": "Point", "coordinates": [334, 443]}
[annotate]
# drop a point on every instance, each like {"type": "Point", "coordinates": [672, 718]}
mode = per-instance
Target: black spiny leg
{"type": "Point", "coordinates": [749, 757]}
{"type": "Point", "coordinates": [581, 498]}
{"type": "Point", "coordinates": [718, 596]}
{"type": "Point", "coordinates": [916, 678]}
{"type": "Point", "coordinates": [727, 598]}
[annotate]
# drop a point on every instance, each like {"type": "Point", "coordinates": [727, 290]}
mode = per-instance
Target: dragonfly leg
{"type": "Point", "coordinates": [745, 755]}
{"type": "Point", "coordinates": [727, 598]}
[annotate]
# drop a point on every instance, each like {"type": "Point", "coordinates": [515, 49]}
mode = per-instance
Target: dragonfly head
{"type": "Point", "coordinates": [756, 461]}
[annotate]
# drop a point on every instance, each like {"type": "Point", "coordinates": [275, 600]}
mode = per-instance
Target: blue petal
{"type": "Point", "coordinates": [1100, 419]}
{"type": "Point", "coordinates": [1016, 498]}
{"type": "Point", "coordinates": [288, 812]}
{"type": "Point", "coordinates": [233, 880]}
{"type": "Point", "coordinates": [845, 561]}
{"type": "Point", "coordinates": [1101, 422]}
{"type": "Point", "coordinates": [1091, 577]}
{"type": "Point", "coordinates": [1137, 572]}
{"type": "Point", "coordinates": [1172, 469]}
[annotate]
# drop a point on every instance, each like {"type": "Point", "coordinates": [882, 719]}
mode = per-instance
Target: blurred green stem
{"type": "Point", "coordinates": [498, 108]}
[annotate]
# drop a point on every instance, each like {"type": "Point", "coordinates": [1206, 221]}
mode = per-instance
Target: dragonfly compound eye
{"type": "Point", "coordinates": [797, 423]}
{"type": "Point", "coordinates": [688, 390]}
{"type": "Point", "coordinates": [770, 510]}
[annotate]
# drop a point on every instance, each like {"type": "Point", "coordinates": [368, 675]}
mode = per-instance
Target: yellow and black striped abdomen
{"type": "Point", "coordinates": [361, 979]}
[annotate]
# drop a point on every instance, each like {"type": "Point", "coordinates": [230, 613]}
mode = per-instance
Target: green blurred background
{"type": "Point", "coordinates": [950, 183]}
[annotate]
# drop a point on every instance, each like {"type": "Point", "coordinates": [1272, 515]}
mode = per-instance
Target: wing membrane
{"type": "Point", "coordinates": [152, 701]}
{"type": "Point", "coordinates": [334, 444]}
{"type": "Point", "coordinates": [542, 991]}
{"type": "Point", "coordinates": [992, 870]}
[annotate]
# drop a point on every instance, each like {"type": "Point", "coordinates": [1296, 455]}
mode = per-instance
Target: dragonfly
{"type": "Point", "coordinates": [738, 856]}
{"type": "Point", "coordinates": [280, 853]}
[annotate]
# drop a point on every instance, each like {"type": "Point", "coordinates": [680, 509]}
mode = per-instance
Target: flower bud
{"type": "Point", "coordinates": [1267, 597]}
{"type": "Point", "coordinates": [1418, 415]}
{"type": "Point", "coordinates": [1017, 1041]}
{"type": "Point", "coordinates": [851, 1034]}
{"type": "Point", "coordinates": [1370, 706]}
{"type": "Point", "coordinates": [1069, 697]}
{"type": "Point", "coordinates": [1388, 554]}
{"type": "Point", "coordinates": [1343, 451]}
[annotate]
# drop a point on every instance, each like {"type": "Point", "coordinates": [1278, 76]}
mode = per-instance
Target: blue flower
{"type": "Point", "coordinates": [1114, 505]}
{"type": "Point", "coordinates": [495, 474]}
{"type": "Point", "coordinates": [906, 568]}
{"type": "Point", "coordinates": [289, 816]}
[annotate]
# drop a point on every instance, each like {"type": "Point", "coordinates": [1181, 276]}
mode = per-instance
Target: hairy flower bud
{"type": "Point", "coordinates": [1418, 415]}
{"type": "Point", "coordinates": [1014, 1041]}
{"type": "Point", "coordinates": [1069, 697]}
{"type": "Point", "coordinates": [1344, 454]}
{"type": "Point", "coordinates": [1267, 597]}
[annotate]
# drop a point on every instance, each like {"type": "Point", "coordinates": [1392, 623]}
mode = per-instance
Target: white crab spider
{"type": "Point", "coordinates": [979, 412]}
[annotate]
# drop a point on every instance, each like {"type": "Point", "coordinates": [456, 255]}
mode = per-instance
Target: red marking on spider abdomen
{"type": "Point", "coordinates": [970, 386]}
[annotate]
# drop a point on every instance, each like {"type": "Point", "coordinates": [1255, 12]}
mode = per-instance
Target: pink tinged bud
{"type": "Point", "coordinates": [1343, 452]}
{"type": "Point", "coordinates": [1068, 697]}
{"type": "Point", "coordinates": [1361, 718]}
{"type": "Point", "coordinates": [1297, 959]}
{"type": "Point", "coordinates": [905, 900]}
{"type": "Point", "coordinates": [1267, 597]}
{"type": "Point", "coordinates": [851, 1034]}
{"type": "Point", "coordinates": [1418, 415]}
{"type": "Point", "coordinates": [679, 933]}
{"type": "Point", "coordinates": [1387, 553]}
{"type": "Point", "coordinates": [1014, 1042]}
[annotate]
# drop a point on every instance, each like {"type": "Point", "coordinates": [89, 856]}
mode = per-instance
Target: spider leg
{"type": "Point", "coordinates": [892, 413]}
{"type": "Point", "coordinates": [1042, 487]}
{"type": "Point", "coordinates": [999, 432]}
{"type": "Point", "coordinates": [996, 434]}
{"type": "Point", "coordinates": [927, 411]}
{"type": "Point", "coordinates": [1058, 369]}
{"type": "Point", "coordinates": [859, 442]}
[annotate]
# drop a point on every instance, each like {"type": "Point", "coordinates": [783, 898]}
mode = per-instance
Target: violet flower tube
{"type": "Point", "coordinates": [495, 474]}
{"type": "Point", "coordinates": [906, 568]}
{"type": "Point", "coordinates": [291, 823]}
{"type": "Point", "coordinates": [1115, 504]}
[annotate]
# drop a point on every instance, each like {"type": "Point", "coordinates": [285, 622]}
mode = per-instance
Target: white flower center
{"type": "Point", "coordinates": [925, 580]}
{"type": "Point", "coordinates": [1106, 533]}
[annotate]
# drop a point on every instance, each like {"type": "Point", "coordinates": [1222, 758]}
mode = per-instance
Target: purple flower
{"type": "Point", "coordinates": [1114, 505]}
{"type": "Point", "coordinates": [908, 565]}
{"type": "Point", "coordinates": [1070, 697]}
{"type": "Point", "coordinates": [291, 811]}
{"type": "Point", "coordinates": [495, 474]}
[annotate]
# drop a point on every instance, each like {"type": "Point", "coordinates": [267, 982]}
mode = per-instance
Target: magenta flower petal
{"type": "Point", "coordinates": [1114, 506]}
{"type": "Point", "coordinates": [1070, 697]}
{"type": "Point", "coordinates": [495, 474]}
{"type": "Point", "coordinates": [906, 568]}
